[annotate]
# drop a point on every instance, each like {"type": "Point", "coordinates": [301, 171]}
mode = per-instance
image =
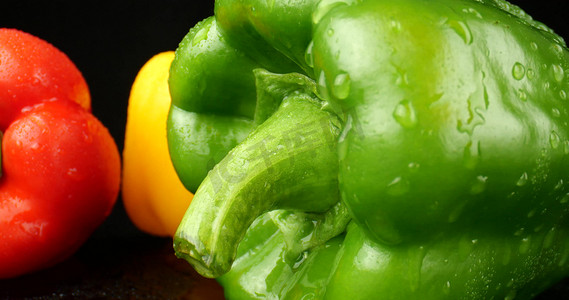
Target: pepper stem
{"type": "Point", "coordinates": [288, 162]}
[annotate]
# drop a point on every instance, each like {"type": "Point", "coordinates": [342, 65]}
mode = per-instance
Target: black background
{"type": "Point", "coordinates": [109, 41]}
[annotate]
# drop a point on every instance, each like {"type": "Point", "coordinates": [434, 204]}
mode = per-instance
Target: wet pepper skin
{"type": "Point", "coordinates": [373, 149]}
{"type": "Point", "coordinates": [60, 166]}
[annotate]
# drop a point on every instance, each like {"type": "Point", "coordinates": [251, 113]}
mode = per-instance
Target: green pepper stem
{"type": "Point", "coordinates": [288, 162]}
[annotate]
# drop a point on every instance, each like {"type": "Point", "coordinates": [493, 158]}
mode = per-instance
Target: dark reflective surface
{"type": "Point", "coordinates": [116, 264]}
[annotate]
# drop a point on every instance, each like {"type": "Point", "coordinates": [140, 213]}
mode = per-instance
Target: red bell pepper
{"type": "Point", "coordinates": [60, 166]}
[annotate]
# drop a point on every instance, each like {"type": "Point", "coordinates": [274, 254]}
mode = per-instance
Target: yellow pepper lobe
{"type": "Point", "coordinates": [153, 196]}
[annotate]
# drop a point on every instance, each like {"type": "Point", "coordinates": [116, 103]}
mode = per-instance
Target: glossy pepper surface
{"type": "Point", "coordinates": [373, 149]}
{"type": "Point", "coordinates": [154, 198]}
{"type": "Point", "coordinates": [60, 166]}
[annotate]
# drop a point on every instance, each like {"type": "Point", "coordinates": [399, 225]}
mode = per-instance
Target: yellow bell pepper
{"type": "Point", "coordinates": [153, 195]}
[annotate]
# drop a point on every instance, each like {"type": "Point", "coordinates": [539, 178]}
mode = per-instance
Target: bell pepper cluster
{"type": "Point", "coordinates": [60, 167]}
{"type": "Point", "coordinates": [373, 149]}
{"type": "Point", "coordinates": [337, 149]}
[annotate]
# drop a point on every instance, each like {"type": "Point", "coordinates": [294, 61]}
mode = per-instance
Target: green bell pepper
{"type": "Point", "coordinates": [373, 149]}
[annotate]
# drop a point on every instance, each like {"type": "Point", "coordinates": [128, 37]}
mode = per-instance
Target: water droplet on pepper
{"type": "Point", "coordinates": [525, 245]}
{"type": "Point", "coordinates": [558, 73]}
{"type": "Point", "coordinates": [518, 71]}
{"type": "Point", "coordinates": [398, 187]}
{"type": "Point", "coordinates": [472, 11]}
{"type": "Point", "coordinates": [323, 8]}
{"type": "Point", "coordinates": [200, 36]}
{"type": "Point", "coordinates": [462, 30]}
{"type": "Point", "coordinates": [322, 86]}
{"type": "Point", "coordinates": [341, 87]}
{"type": "Point", "coordinates": [395, 25]}
{"type": "Point", "coordinates": [413, 167]}
{"type": "Point", "coordinates": [479, 185]}
{"type": "Point", "coordinates": [522, 180]}
{"type": "Point", "coordinates": [309, 56]}
{"type": "Point", "coordinates": [549, 238]}
{"type": "Point", "coordinates": [530, 73]}
{"type": "Point", "coordinates": [446, 288]}
{"type": "Point", "coordinates": [522, 95]}
{"type": "Point", "coordinates": [405, 114]}
{"type": "Point", "coordinates": [554, 140]}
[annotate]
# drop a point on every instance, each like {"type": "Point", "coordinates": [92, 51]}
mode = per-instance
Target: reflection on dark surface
{"type": "Point", "coordinates": [116, 263]}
